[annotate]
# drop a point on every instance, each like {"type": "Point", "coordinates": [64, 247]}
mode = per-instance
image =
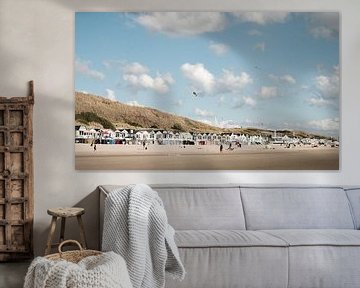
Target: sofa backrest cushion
{"type": "Point", "coordinates": [296, 208]}
{"type": "Point", "coordinates": [354, 198]}
{"type": "Point", "coordinates": [203, 208]}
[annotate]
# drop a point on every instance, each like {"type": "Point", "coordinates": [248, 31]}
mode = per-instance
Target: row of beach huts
{"type": "Point", "coordinates": [166, 137]}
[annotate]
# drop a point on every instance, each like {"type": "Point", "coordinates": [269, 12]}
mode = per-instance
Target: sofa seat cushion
{"type": "Point", "coordinates": [233, 267]}
{"type": "Point", "coordinates": [317, 237]}
{"type": "Point", "coordinates": [225, 238]}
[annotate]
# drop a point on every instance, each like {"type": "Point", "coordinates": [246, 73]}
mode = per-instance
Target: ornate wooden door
{"type": "Point", "coordinates": [16, 177]}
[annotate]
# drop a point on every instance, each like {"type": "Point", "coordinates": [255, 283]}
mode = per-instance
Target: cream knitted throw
{"type": "Point", "coordinates": [136, 227]}
{"type": "Point", "coordinates": [103, 271]}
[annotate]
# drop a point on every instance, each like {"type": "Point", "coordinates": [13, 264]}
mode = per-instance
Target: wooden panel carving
{"type": "Point", "coordinates": [16, 177]}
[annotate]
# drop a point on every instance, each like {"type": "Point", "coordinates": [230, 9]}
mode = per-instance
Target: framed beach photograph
{"type": "Point", "coordinates": [245, 90]}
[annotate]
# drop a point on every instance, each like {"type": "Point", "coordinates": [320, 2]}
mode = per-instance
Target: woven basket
{"type": "Point", "coordinates": [72, 256]}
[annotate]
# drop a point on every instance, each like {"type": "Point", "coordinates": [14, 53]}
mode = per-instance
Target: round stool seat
{"type": "Point", "coordinates": [66, 211]}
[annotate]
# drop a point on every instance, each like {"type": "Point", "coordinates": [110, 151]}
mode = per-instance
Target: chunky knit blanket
{"type": "Point", "coordinates": [103, 271]}
{"type": "Point", "coordinates": [136, 227]}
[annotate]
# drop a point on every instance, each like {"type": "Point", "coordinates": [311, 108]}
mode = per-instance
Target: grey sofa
{"type": "Point", "coordinates": [248, 236]}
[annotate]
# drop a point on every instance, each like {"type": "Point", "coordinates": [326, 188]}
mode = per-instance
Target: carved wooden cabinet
{"type": "Point", "coordinates": [16, 177]}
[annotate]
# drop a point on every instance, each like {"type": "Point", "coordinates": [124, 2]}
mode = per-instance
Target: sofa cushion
{"type": "Point", "coordinates": [317, 237]}
{"type": "Point", "coordinates": [204, 208]}
{"type": "Point", "coordinates": [322, 258]}
{"type": "Point", "coordinates": [296, 208]}
{"type": "Point", "coordinates": [226, 238]}
{"type": "Point", "coordinates": [324, 266]}
{"type": "Point", "coordinates": [224, 267]}
{"type": "Point", "coordinates": [199, 207]}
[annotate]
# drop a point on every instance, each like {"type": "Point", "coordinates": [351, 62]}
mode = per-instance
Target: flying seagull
{"type": "Point", "coordinates": [195, 94]}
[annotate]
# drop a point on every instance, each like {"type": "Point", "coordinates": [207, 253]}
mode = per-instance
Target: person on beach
{"type": "Point", "coordinates": [94, 147]}
{"type": "Point", "coordinates": [221, 148]}
{"type": "Point", "coordinates": [144, 144]}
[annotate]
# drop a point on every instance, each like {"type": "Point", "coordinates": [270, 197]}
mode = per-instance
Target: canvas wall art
{"type": "Point", "coordinates": [207, 91]}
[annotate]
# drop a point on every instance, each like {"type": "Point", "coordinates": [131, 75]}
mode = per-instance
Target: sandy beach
{"type": "Point", "coordinates": [207, 157]}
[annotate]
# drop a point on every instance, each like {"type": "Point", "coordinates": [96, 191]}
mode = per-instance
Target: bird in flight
{"type": "Point", "coordinates": [195, 94]}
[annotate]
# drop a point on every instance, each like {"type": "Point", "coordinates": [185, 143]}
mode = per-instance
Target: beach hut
{"type": "Point", "coordinates": [92, 133]}
{"type": "Point", "coordinates": [159, 135]}
{"type": "Point", "coordinates": [79, 130]}
{"type": "Point", "coordinates": [170, 135]}
{"type": "Point", "coordinates": [186, 136]}
{"type": "Point", "coordinates": [152, 135]}
{"type": "Point", "coordinates": [141, 136]}
{"type": "Point", "coordinates": [117, 134]}
{"type": "Point", "coordinates": [233, 137]}
{"type": "Point", "coordinates": [145, 135]}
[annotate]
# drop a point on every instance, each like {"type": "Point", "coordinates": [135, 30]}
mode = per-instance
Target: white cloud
{"type": "Point", "coordinates": [229, 82]}
{"type": "Point", "coordinates": [218, 48]}
{"type": "Point", "coordinates": [135, 68]}
{"type": "Point", "coordinates": [268, 92]}
{"type": "Point", "coordinates": [249, 101]}
{"type": "Point", "coordinates": [136, 77]}
{"type": "Point", "coordinates": [329, 85]}
{"type": "Point", "coordinates": [206, 121]}
{"type": "Point", "coordinates": [203, 80]}
{"type": "Point", "coordinates": [254, 32]}
{"type": "Point", "coordinates": [199, 76]}
{"type": "Point", "coordinates": [260, 46]}
{"type": "Point", "coordinates": [203, 113]}
{"type": "Point", "coordinates": [321, 32]}
{"type": "Point", "coordinates": [324, 25]}
{"type": "Point", "coordinates": [134, 103]}
{"type": "Point", "coordinates": [228, 124]}
{"type": "Point", "coordinates": [110, 64]}
{"type": "Point", "coordinates": [262, 18]}
{"type": "Point", "coordinates": [110, 94]}
{"type": "Point", "coordinates": [287, 78]}
{"type": "Point", "coordinates": [182, 23]}
{"type": "Point", "coordinates": [326, 124]}
{"type": "Point", "coordinates": [83, 67]}
{"type": "Point", "coordinates": [244, 101]}
{"type": "Point", "coordinates": [318, 101]}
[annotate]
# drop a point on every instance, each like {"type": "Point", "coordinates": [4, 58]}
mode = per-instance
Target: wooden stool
{"type": "Point", "coordinates": [64, 213]}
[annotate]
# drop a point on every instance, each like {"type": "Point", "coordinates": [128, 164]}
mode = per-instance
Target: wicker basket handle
{"type": "Point", "coordinates": [69, 241]}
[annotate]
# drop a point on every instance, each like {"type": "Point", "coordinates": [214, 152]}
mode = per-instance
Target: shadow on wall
{"type": "Point", "coordinates": [91, 218]}
{"type": "Point", "coordinates": [53, 164]}
{"type": "Point", "coordinates": [45, 55]}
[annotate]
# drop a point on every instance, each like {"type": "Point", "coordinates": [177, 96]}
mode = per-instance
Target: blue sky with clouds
{"type": "Point", "coordinates": [250, 69]}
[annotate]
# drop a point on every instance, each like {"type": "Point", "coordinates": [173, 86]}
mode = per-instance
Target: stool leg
{"type": "Point", "coordinates": [62, 231]}
{"type": "Point", "coordinates": [82, 232]}
{"type": "Point", "coordinates": [51, 235]}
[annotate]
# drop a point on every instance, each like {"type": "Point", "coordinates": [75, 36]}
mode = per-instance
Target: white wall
{"type": "Point", "coordinates": [37, 42]}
